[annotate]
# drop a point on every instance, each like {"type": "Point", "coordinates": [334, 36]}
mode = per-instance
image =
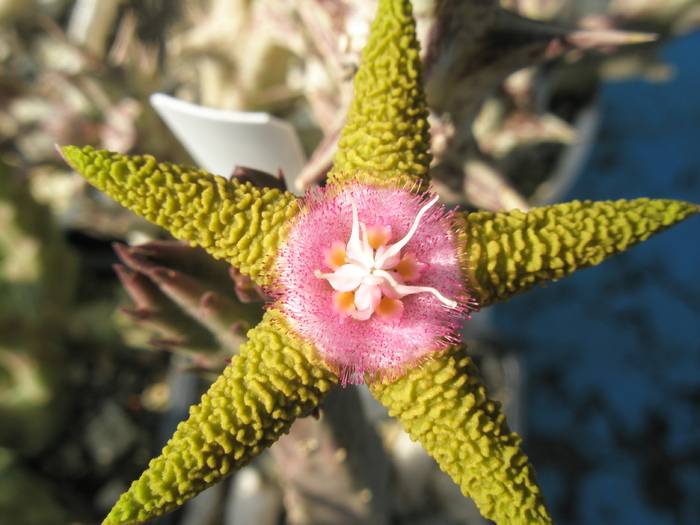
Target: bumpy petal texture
{"type": "Point", "coordinates": [443, 404]}
{"type": "Point", "coordinates": [371, 343]}
{"type": "Point", "coordinates": [231, 220]}
{"type": "Point", "coordinates": [275, 379]}
{"type": "Point", "coordinates": [387, 131]}
{"type": "Point", "coordinates": [510, 252]}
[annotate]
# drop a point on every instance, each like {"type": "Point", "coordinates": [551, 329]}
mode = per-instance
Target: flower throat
{"type": "Point", "coordinates": [369, 275]}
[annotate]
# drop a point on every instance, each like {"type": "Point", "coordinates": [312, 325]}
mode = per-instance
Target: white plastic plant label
{"type": "Point", "coordinates": [219, 140]}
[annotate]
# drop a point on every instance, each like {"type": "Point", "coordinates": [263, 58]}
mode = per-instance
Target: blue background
{"type": "Point", "coordinates": [612, 354]}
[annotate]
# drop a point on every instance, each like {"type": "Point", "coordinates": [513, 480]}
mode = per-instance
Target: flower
{"type": "Point", "coordinates": [369, 278]}
{"type": "Point", "coordinates": [373, 276]}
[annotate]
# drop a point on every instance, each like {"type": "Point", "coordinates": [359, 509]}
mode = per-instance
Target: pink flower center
{"type": "Point", "coordinates": [369, 275]}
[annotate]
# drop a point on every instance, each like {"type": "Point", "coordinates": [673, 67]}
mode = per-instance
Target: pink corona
{"type": "Point", "coordinates": [372, 276]}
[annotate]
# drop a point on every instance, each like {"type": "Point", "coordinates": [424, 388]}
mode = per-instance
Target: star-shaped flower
{"type": "Point", "coordinates": [372, 279]}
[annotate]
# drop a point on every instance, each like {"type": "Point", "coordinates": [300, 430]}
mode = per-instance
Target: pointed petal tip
{"type": "Point", "coordinates": [685, 209]}
{"type": "Point", "coordinates": [71, 155]}
{"type": "Point", "coordinates": [59, 149]}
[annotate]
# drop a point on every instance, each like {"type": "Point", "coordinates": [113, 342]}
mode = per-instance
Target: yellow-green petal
{"type": "Point", "coordinates": [387, 131]}
{"type": "Point", "coordinates": [443, 404]}
{"type": "Point", "coordinates": [510, 252]}
{"type": "Point", "coordinates": [275, 379]}
{"type": "Point", "coordinates": [231, 220]}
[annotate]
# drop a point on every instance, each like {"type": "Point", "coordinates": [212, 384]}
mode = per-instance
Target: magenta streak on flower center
{"type": "Point", "coordinates": [369, 274]}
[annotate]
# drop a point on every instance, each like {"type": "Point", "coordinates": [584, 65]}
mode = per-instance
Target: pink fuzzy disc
{"type": "Point", "coordinates": [426, 322]}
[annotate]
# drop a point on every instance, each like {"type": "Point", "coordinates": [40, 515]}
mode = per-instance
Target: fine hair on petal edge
{"type": "Point", "coordinates": [422, 231]}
